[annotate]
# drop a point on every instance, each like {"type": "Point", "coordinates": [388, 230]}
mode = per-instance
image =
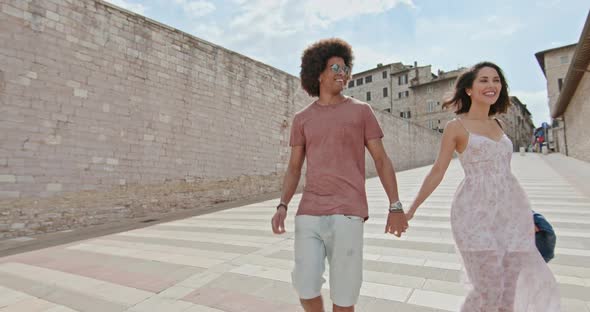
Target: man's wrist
{"type": "Point", "coordinates": [396, 207]}
{"type": "Point", "coordinates": [282, 204]}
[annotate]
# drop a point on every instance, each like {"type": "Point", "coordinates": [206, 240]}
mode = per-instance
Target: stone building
{"type": "Point", "coordinates": [518, 124]}
{"type": "Point", "coordinates": [428, 112]}
{"type": "Point", "coordinates": [427, 99]}
{"type": "Point", "coordinates": [568, 86]}
{"type": "Point", "coordinates": [554, 64]}
{"type": "Point", "coordinates": [387, 87]}
{"type": "Point", "coordinates": [420, 100]}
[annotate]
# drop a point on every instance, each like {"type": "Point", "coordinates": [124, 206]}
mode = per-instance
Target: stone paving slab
{"type": "Point", "coordinates": [229, 261]}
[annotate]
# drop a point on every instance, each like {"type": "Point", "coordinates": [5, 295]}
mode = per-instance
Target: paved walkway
{"type": "Point", "coordinates": [229, 260]}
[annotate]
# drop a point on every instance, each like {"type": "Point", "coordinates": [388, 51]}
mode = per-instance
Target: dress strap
{"type": "Point", "coordinates": [462, 125]}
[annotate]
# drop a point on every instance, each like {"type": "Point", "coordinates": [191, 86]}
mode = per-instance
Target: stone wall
{"type": "Point", "coordinates": [576, 118]}
{"type": "Point", "coordinates": [107, 115]}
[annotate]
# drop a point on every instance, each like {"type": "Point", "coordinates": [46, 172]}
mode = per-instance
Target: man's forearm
{"type": "Point", "coordinates": [290, 183]}
{"type": "Point", "coordinates": [387, 176]}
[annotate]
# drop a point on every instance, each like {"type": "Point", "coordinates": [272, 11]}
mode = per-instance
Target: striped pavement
{"type": "Point", "coordinates": [229, 260]}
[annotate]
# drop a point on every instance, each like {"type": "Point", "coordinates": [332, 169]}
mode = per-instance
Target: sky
{"type": "Point", "coordinates": [445, 34]}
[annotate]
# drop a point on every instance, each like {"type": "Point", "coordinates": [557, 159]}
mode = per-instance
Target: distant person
{"type": "Point", "coordinates": [491, 214]}
{"type": "Point", "coordinates": [332, 134]}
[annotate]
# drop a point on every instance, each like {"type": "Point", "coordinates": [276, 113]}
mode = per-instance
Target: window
{"type": "Point", "coordinates": [351, 84]}
{"type": "Point", "coordinates": [359, 81]}
{"type": "Point", "coordinates": [429, 89]}
{"type": "Point", "coordinates": [369, 79]}
{"type": "Point", "coordinates": [385, 75]}
{"type": "Point", "coordinates": [399, 95]}
{"type": "Point", "coordinates": [560, 83]}
{"type": "Point", "coordinates": [430, 106]}
{"type": "Point", "coordinates": [563, 59]}
{"type": "Point", "coordinates": [433, 124]}
{"type": "Point", "coordinates": [407, 93]}
{"type": "Point", "coordinates": [387, 110]}
{"type": "Point", "coordinates": [368, 96]}
{"type": "Point", "coordinates": [385, 92]}
{"type": "Point", "coordinates": [406, 114]}
{"type": "Point", "coordinates": [402, 80]}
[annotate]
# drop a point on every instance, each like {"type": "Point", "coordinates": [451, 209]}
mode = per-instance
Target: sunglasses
{"type": "Point", "coordinates": [336, 69]}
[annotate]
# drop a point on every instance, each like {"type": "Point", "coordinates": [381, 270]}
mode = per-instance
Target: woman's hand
{"type": "Point", "coordinates": [410, 214]}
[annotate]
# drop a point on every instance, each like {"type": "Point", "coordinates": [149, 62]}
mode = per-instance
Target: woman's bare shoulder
{"type": "Point", "coordinates": [453, 125]}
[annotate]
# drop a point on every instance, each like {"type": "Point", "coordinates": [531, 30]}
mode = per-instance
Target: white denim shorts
{"type": "Point", "coordinates": [340, 239]}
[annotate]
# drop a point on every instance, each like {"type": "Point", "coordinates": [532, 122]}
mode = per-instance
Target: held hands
{"type": "Point", "coordinates": [397, 223]}
{"type": "Point", "coordinates": [278, 220]}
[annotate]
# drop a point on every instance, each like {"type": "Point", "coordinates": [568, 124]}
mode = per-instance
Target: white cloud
{"type": "Point", "coordinates": [537, 104]}
{"type": "Point", "coordinates": [134, 7]}
{"type": "Point", "coordinates": [196, 8]}
{"type": "Point", "coordinates": [283, 18]}
{"type": "Point", "coordinates": [261, 18]}
{"type": "Point", "coordinates": [325, 12]}
{"type": "Point", "coordinates": [269, 31]}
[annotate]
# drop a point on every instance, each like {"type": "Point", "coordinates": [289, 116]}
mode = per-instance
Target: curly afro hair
{"type": "Point", "coordinates": [315, 57]}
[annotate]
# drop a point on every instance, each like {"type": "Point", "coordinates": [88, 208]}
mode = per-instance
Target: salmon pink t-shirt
{"type": "Point", "coordinates": [335, 137]}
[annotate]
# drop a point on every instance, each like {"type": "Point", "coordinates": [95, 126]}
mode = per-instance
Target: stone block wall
{"type": "Point", "coordinates": [576, 118]}
{"type": "Point", "coordinates": [107, 115]}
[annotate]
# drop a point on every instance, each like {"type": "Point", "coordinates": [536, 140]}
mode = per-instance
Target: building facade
{"type": "Point", "coordinates": [569, 103]}
{"type": "Point", "coordinates": [428, 97]}
{"type": "Point", "coordinates": [518, 124]}
{"type": "Point", "coordinates": [387, 87]}
{"type": "Point", "coordinates": [555, 63]}
{"type": "Point", "coordinates": [415, 93]}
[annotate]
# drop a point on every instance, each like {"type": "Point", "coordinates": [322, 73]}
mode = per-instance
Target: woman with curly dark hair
{"type": "Point", "coordinates": [491, 217]}
{"type": "Point", "coordinates": [331, 134]}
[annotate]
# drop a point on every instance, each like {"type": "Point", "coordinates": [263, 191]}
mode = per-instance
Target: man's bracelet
{"type": "Point", "coordinates": [282, 205]}
{"type": "Point", "coordinates": [396, 207]}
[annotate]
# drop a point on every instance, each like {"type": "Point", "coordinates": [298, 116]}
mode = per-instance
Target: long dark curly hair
{"type": "Point", "coordinates": [315, 58]}
{"type": "Point", "coordinates": [462, 101]}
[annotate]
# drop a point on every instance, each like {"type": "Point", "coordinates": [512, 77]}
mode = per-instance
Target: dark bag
{"type": "Point", "coordinates": [545, 238]}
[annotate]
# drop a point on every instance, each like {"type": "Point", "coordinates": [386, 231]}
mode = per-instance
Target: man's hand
{"type": "Point", "coordinates": [278, 221]}
{"type": "Point", "coordinates": [396, 223]}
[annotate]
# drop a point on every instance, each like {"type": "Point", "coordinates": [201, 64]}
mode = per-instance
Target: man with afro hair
{"type": "Point", "coordinates": [331, 134]}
